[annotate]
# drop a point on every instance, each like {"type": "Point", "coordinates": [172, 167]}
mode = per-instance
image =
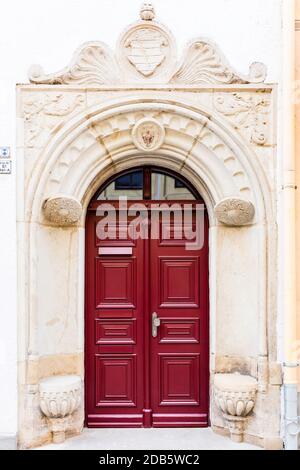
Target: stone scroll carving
{"type": "Point", "coordinates": [62, 210]}
{"type": "Point", "coordinates": [146, 52]}
{"type": "Point", "coordinates": [235, 396]}
{"type": "Point", "coordinates": [235, 212]}
{"type": "Point", "coordinates": [60, 396]}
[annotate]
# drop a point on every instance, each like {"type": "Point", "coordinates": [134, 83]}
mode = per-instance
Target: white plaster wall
{"type": "Point", "coordinates": [48, 33]}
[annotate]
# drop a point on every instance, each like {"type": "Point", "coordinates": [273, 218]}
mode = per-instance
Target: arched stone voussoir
{"type": "Point", "coordinates": [205, 146]}
{"type": "Point", "coordinates": [201, 167]}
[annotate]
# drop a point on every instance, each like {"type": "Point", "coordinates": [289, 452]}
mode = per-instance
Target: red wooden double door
{"type": "Point", "coordinates": [146, 331]}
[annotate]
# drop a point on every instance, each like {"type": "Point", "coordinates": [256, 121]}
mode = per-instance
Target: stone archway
{"type": "Point", "coordinates": [75, 138]}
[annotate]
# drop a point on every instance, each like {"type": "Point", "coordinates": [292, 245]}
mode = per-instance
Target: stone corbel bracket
{"type": "Point", "coordinates": [235, 212]}
{"type": "Point", "coordinates": [235, 396]}
{"type": "Point", "coordinates": [60, 397]}
{"type": "Point", "coordinates": [62, 211]}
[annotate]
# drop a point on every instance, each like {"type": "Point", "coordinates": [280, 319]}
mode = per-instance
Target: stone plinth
{"type": "Point", "coordinates": [60, 396]}
{"type": "Point", "coordinates": [235, 396]}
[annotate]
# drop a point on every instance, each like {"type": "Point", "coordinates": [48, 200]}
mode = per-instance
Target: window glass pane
{"type": "Point", "coordinates": [163, 187]}
{"type": "Point", "coordinates": [166, 187]}
{"type": "Point", "coordinates": [130, 181]}
{"type": "Point", "coordinates": [130, 185]}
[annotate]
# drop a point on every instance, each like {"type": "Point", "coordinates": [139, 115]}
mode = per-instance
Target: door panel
{"type": "Point", "coordinates": [179, 286]}
{"type": "Point", "coordinates": [177, 330]}
{"type": "Point", "coordinates": [179, 282]}
{"type": "Point", "coordinates": [115, 283]}
{"type": "Point", "coordinates": [114, 331]}
{"type": "Point", "coordinates": [115, 380]}
{"type": "Point", "coordinates": [174, 391]}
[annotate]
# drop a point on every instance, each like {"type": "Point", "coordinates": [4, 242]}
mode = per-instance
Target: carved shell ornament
{"type": "Point", "coordinates": [146, 52]}
{"type": "Point", "coordinates": [148, 135]}
{"type": "Point", "coordinates": [235, 212]}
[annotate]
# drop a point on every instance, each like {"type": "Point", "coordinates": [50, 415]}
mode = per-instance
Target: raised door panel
{"type": "Point", "coordinates": [177, 330]}
{"type": "Point", "coordinates": [115, 283]}
{"type": "Point", "coordinates": [115, 332]}
{"type": "Point", "coordinates": [179, 282]}
{"type": "Point", "coordinates": [115, 381]}
{"type": "Point", "coordinates": [179, 380]}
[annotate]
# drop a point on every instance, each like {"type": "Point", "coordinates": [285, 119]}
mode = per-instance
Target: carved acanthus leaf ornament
{"type": "Point", "coordinates": [45, 111]}
{"type": "Point", "coordinates": [249, 113]}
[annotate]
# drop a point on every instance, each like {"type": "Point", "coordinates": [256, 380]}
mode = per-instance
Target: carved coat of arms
{"type": "Point", "coordinates": [146, 50]}
{"type": "Point", "coordinates": [148, 134]}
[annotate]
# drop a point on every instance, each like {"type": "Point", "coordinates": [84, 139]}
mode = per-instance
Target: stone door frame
{"type": "Point", "coordinates": [198, 143]}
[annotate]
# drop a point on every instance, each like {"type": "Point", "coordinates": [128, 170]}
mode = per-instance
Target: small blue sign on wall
{"type": "Point", "coordinates": [4, 152]}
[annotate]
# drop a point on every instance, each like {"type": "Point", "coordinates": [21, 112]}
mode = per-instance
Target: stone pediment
{"type": "Point", "coordinates": [146, 54]}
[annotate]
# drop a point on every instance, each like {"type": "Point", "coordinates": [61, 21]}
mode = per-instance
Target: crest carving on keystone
{"type": "Point", "coordinates": [148, 135]}
{"type": "Point", "coordinates": [146, 53]}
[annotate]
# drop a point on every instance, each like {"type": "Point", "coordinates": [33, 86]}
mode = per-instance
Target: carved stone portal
{"type": "Point", "coordinates": [60, 396]}
{"type": "Point", "coordinates": [235, 396]}
{"type": "Point", "coordinates": [235, 212]}
{"type": "Point", "coordinates": [100, 116]}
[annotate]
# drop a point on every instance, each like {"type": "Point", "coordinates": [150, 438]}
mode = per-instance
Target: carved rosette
{"type": "Point", "coordinates": [148, 135]}
{"type": "Point", "coordinates": [235, 212]}
{"type": "Point", "coordinates": [62, 210]}
{"type": "Point", "coordinates": [235, 396]}
{"type": "Point", "coordinates": [60, 396]}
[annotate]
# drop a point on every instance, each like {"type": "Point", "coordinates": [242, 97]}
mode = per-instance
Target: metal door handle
{"type": "Point", "coordinates": [155, 324]}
